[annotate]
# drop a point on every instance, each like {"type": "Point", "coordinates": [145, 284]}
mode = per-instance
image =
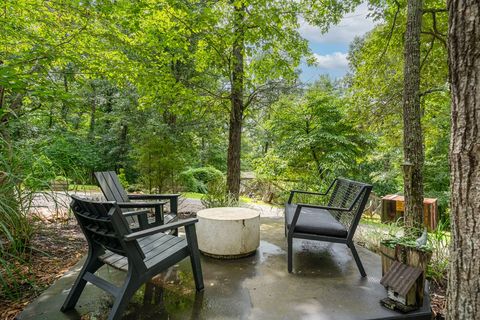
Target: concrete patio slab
{"type": "Point", "coordinates": [325, 284]}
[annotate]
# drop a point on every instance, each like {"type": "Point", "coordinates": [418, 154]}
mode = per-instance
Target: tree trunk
{"type": "Point", "coordinates": [237, 105]}
{"type": "Point", "coordinates": [93, 110]}
{"type": "Point", "coordinates": [463, 294]}
{"type": "Point", "coordinates": [412, 128]}
{"type": "Point", "coordinates": [64, 111]}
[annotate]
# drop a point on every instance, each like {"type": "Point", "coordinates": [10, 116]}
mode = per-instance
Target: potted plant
{"type": "Point", "coordinates": [411, 251]}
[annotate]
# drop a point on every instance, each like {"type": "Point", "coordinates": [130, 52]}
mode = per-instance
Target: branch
{"type": "Point", "coordinates": [435, 29]}
{"type": "Point", "coordinates": [391, 31]}
{"type": "Point", "coordinates": [424, 93]}
{"type": "Point", "coordinates": [262, 88]}
{"type": "Point", "coordinates": [428, 53]}
{"type": "Point", "coordinates": [436, 35]}
{"type": "Point", "coordinates": [434, 10]}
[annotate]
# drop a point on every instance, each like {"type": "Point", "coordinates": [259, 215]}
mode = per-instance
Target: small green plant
{"type": "Point", "coordinates": [123, 179]}
{"type": "Point", "coordinates": [217, 196]}
{"type": "Point", "coordinates": [439, 241]}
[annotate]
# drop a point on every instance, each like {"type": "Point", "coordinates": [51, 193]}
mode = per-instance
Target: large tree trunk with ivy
{"type": "Point", "coordinates": [463, 294]}
{"type": "Point", "coordinates": [412, 128]}
{"type": "Point", "coordinates": [237, 104]}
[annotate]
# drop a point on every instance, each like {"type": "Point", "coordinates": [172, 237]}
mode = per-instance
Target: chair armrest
{"type": "Point", "coordinates": [152, 196]}
{"type": "Point", "coordinates": [129, 205]}
{"type": "Point", "coordinates": [308, 192]}
{"type": "Point", "coordinates": [172, 198]}
{"type": "Point", "coordinates": [306, 205]}
{"type": "Point", "coordinates": [162, 228]}
{"type": "Point", "coordinates": [135, 213]}
{"type": "Point", "coordinates": [292, 193]}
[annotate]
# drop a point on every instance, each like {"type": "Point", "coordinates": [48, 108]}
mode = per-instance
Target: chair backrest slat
{"type": "Point", "coordinates": [111, 186]}
{"type": "Point", "coordinates": [103, 224]}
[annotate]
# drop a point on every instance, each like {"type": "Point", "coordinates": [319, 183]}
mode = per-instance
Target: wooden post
{"type": "Point", "coordinates": [388, 256]}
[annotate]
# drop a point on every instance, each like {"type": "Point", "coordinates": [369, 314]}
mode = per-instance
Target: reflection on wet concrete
{"type": "Point", "coordinates": [325, 285]}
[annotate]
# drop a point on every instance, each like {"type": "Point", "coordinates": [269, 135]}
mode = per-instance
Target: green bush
{"type": "Point", "coordinates": [123, 179]}
{"type": "Point", "coordinates": [197, 179]}
{"type": "Point", "coordinates": [217, 195]}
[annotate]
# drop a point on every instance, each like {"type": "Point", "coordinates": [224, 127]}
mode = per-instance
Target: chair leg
{"type": "Point", "coordinates": [91, 265]}
{"type": "Point", "coordinates": [197, 270]}
{"type": "Point", "coordinates": [123, 297]}
{"type": "Point", "coordinates": [357, 259]}
{"type": "Point", "coordinates": [289, 253]}
{"type": "Point", "coordinates": [194, 256]}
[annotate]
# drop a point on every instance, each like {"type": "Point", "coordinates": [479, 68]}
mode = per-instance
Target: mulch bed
{"type": "Point", "coordinates": [58, 246]}
{"type": "Point", "coordinates": [438, 299]}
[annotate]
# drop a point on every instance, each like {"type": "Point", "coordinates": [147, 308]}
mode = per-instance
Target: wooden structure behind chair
{"type": "Point", "coordinates": [393, 208]}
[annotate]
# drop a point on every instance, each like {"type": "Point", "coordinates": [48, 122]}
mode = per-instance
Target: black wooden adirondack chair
{"type": "Point", "coordinates": [334, 222]}
{"type": "Point", "coordinates": [113, 191]}
{"type": "Point", "coordinates": [144, 253]}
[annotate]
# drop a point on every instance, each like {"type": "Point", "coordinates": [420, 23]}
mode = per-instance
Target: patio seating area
{"type": "Point", "coordinates": [325, 284]}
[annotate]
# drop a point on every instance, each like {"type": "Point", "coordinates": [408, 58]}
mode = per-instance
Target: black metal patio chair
{"type": "Point", "coordinates": [143, 253]}
{"type": "Point", "coordinates": [334, 222]}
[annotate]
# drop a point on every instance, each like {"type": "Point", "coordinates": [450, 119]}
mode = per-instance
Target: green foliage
{"type": "Point", "coordinates": [123, 178]}
{"type": "Point", "coordinates": [312, 142]}
{"type": "Point", "coordinates": [217, 195]}
{"type": "Point", "coordinates": [197, 179]}
{"type": "Point", "coordinates": [375, 88]}
{"type": "Point", "coordinates": [439, 241]}
{"type": "Point", "coordinates": [19, 180]}
{"type": "Point", "coordinates": [71, 155]}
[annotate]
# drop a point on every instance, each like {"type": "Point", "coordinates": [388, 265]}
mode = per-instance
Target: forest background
{"type": "Point", "coordinates": [148, 88]}
{"type": "Point", "coordinates": [143, 88]}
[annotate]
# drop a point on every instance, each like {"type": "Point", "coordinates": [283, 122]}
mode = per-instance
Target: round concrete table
{"type": "Point", "coordinates": [228, 232]}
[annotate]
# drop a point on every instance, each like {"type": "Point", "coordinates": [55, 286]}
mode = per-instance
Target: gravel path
{"type": "Point", "coordinates": [54, 205]}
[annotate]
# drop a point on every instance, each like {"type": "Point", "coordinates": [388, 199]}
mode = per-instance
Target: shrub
{"type": "Point", "coordinates": [123, 179]}
{"type": "Point", "coordinates": [217, 195]}
{"type": "Point", "coordinates": [197, 179]}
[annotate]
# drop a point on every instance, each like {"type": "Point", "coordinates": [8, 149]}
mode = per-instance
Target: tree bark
{"type": "Point", "coordinates": [463, 294]}
{"type": "Point", "coordinates": [412, 127]}
{"type": "Point", "coordinates": [93, 110]}
{"type": "Point", "coordinates": [64, 111]}
{"type": "Point", "coordinates": [237, 103]}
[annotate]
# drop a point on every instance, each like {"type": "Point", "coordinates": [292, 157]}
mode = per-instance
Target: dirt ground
{"type": "Point", "coordinates": [58, 246]}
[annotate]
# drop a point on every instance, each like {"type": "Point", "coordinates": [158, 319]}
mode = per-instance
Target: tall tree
{"type": "Point", "coordinates": [412, 126]}
{"type": "Point", "coordinates": [237, 103]}
{"type": "Point", "coordinates": [252, 46]}
{"type": "Point", "coordinates": [463, 295]}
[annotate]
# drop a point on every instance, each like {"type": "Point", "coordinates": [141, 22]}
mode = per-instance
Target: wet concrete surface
{"type": "Point", "coordinates": [325, 284]}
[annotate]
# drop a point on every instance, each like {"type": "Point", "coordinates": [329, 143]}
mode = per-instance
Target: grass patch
{"type": "Point", "coordinates": [83, 187]}
{"type": "Point", "coordinates": [192, 195]}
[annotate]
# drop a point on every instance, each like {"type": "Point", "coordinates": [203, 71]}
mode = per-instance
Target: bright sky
{"type": "Point", "coordinates": [331, 49]}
